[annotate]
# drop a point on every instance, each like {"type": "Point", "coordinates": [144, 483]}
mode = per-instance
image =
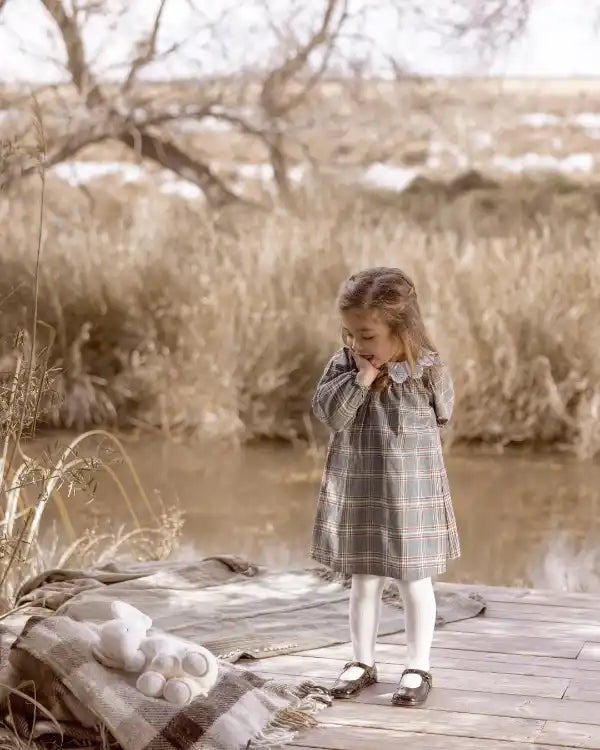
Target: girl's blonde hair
{"type": "Point", "coordinates": [392, 293]}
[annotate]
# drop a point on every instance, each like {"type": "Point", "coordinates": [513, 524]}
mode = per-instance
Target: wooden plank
{"type": "Point", "coordinates": [525, 596]}
{"type": "Point", "coordinates": [542, 612]}
{"type": "Point", "coordinates": [481, 661]}
{"type": "Point", "coordinates": [495, 704]}
{"type": "Point", "coordinates": [506, 644]}
{"type": "Point", "coordinates": [590, 652]}
{"type": "Point", "coordinates": [460, 679]}
{"type": "Point", "coordinates": [490, 703]}
{"type": "Point", "coordinates": [503, 702]}
{"type": "Point", "coordinates": [445, 723]}
{"type": "Point", "coordinates": [577, 735]}
{"type": "Point", "coordinates": [584, 690]}
{"type": "Point", "coordinates": [366, 738]}
{"type": "Point", "coordinates": [503, 626]}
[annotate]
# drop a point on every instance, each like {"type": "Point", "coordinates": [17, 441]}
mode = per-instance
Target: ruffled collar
{"type": "Point", "coordinates": [400, 371]}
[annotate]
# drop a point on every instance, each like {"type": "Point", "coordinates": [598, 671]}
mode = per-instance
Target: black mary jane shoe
{"type": "Point", "coordinates": [350, 688]}
{"type": "Point", "coordinates": [407, 696]}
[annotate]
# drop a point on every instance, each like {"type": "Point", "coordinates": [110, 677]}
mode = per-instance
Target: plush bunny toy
{"type": "Point", "coordinates": [177, 670]}
{"type": "Point", "coordinates": [119, 640]}
{"type": "Point", "coordinates": [168, 667]}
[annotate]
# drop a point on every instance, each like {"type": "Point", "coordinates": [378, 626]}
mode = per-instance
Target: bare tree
{"type": "Point", "coordinates": [276, 99]}
{"type": "Point", "coordinates": [118, 118]}
{"type": "Point", "coordinates": [128, 115]}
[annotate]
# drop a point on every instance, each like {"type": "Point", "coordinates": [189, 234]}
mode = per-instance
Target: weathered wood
{"type": "Point", "coordinates": [584, 690]}
{"type": "Point", "coordinates": [507, 644]}
{"type": "Point", "coordinates": [366, 738]}
{"type": "Point", "coordinates": [525, 596]}
{"type": "Point", "coordinates": [481, 661]}
{"type": "Point", "coordinates": [459, 679]}
{"type": "Point", "coordinates": [446, 723]}
{"type": "Point", "coordinates": [526, 672]}
{"type": "Point", "coordinates": [542, 612]}
{"type": "Point", "coordinates": [542, 629]}
{"type": "Point", "coordinates": [504, 701]}
{"type": "Point", "coordinates": [578, 735]}
{"type": "Point", "coordinates": [590, 652]}
{"type": "Point", "coordinates": [495, 704]}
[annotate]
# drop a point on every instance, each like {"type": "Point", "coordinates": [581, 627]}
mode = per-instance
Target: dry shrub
{"type": "Point", "coordinates": [169, 316]}
{"type": "Point", "coordinates": [473, 204]}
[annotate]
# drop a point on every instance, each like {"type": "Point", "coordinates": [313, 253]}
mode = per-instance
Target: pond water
{"type": "Point", "coordinates": [528, 520]}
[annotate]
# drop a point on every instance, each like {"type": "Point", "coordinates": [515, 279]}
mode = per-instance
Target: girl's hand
{"type": "Point", "coordinates": [366, 371]}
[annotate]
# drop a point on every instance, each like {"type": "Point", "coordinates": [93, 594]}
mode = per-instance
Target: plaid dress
{"type": "Point", "coordinates": [384, 505]}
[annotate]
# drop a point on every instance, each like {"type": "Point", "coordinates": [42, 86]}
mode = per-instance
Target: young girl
{"type": "Point", "coordinates": [384, 507]}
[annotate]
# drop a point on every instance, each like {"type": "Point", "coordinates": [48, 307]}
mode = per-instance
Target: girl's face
{"type": "Point", "coordinates": [368, 335]}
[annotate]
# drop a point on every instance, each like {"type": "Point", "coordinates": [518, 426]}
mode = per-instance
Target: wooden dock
{"type": "Point", "coordinates": [526, 674]}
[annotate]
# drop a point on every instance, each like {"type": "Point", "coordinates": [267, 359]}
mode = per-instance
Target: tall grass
{"type": "Point", "coordinates": [27, 394]}
{"type": "Point", "coordinates": [176, 319]}
{"type": "Point", "coordinates": [28, 485]}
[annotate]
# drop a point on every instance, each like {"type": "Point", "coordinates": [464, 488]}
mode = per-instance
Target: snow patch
{"type": "Point", "coordinates": [388, 177]}
{"type": "Point", "coordinates": [582, 162]}
{"type": "Point", "coordinates": [207, 124]}
{"type": "Point", "coordinates": [587, 120]}
{"type": "Point", "coordinates": [182, 188]}
{"type": "Point", "coordinates": [540, 119]}
{"type": "Point", "coordinates": [262, 172]}
{"type": "Point", "coordinates": [80, 172]}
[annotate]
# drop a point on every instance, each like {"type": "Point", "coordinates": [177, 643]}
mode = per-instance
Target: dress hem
{"type": "Point", "coordinates": [383, 571]}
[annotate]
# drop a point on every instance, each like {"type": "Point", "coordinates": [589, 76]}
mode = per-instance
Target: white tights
{"type": "Point", "coordinates": [419, 613]}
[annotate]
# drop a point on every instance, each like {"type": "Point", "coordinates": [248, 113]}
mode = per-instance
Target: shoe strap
{"type": "Point", "coordinates": [421, 672]}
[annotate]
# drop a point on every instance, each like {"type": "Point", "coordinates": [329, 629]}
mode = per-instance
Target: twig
{"type": "Point", "coordinates": [148, 55]}
{"type": "Point", "coordinates": [16, 547]}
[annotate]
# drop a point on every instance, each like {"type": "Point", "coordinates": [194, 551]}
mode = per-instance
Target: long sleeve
{"type": "Point", "coordinates": [442, 389]}
{"type": "Point", "coordinates": [338, 396]}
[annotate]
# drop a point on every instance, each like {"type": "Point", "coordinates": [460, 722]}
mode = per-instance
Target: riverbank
{"type": "Point", "coordinates": [165, 317]}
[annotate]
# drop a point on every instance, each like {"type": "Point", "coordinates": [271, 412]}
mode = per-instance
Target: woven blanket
{"type": "Point", "coordinates": [231, 606]}
{"type": "Point", "coordinates": [77, 700]}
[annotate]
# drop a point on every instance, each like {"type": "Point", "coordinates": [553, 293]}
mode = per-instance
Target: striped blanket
{"type": "Point", "coordinates": [79, 702]}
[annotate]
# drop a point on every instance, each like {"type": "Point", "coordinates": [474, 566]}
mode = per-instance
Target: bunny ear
{"type": "Point", "coordinates": [126, 612]}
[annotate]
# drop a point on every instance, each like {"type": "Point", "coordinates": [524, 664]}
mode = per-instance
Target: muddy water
{"type": "Point", "coordinates": [524, 520]}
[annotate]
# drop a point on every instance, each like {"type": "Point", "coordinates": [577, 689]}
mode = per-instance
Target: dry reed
{"type": "Point", "coordinates": [27, 394]}
{"type": "Point", "coordinates": [169, 317]}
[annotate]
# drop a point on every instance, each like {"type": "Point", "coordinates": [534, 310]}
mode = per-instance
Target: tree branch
{"type": "Point", "coordinates": [488, 25]}
{"type": "Point", "coordinates": [171, 157]}
{"type": "Point", "coordinates": [65, 148]}
{"type": "Point", "coordinates": [498, 23]}
{"type": "Point", "coordinates": [146, 144]}
{"type": "Point", "coordinates": [92, 6]}
{"type": "Point", "coordinates": [148, 47]}
{"type": "Point", "coordinates": [76, 62]}
{"type": "Point", "coordinates": [125, 129]}
{"type": "Point", "coordinates": [278, 78]}
{"type": "Point", "coordinates": [272, 94]}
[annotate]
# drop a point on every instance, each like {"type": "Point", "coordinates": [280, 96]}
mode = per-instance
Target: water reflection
{"type": "Point", "coordinates": [524, 520]}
